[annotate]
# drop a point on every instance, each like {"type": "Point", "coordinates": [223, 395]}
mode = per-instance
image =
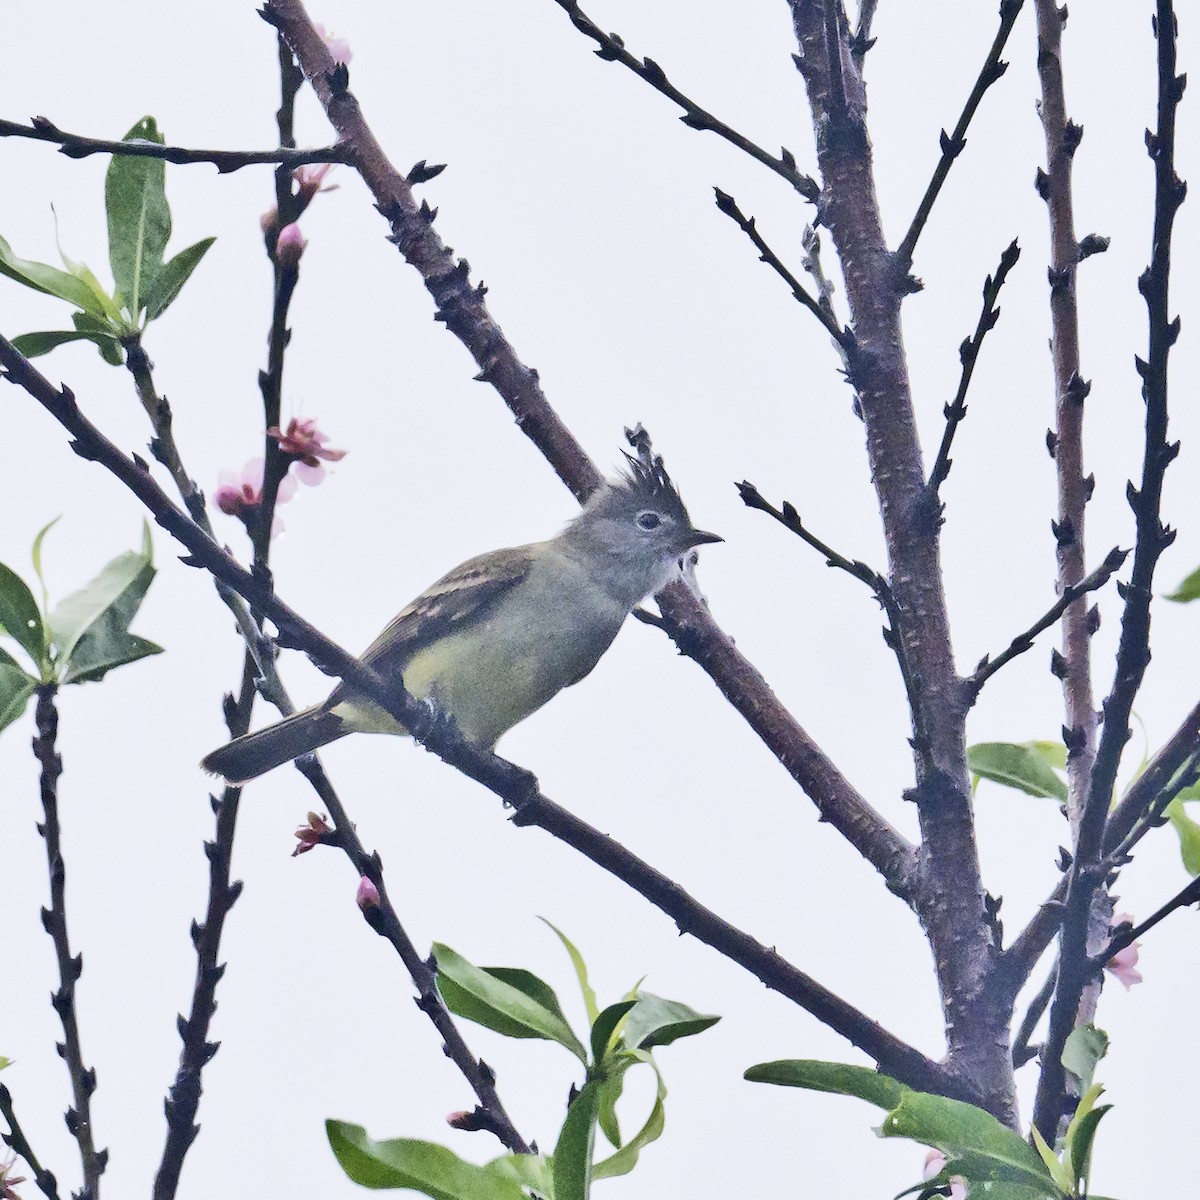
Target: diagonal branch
{"type": "Point", "coordinates": [16, 1140]}
{"type": "Point", "coordinates": [789, 518]}
{"type": "Point", "coordinates": [612, 49]}
{"type": "Point", "coordinates": [968, 354]}
{"type": "Point", "coordinates": [1129, 933]}
{"type": "Point", "coordinates": [1133, 649]}
{"type": "Point", "coordinates": [952, 144]}
{"type": "Point", "coordinates": [511, 783]}
{"type": "Point", "coordinates": [461, 308]}
{"type": "Point", "coordinates": [823, 312]}
{"type": "Point", "coordinates": [988, 666]}
{"type": "Point", "coordinates": [75, 145]}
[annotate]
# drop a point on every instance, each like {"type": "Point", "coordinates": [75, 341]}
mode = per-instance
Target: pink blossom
{"type": "Point", "coordinates": [8, 1180]}
{"type": "Point", "coordinates": [304, 442]}
{"type": "Point", "coordinates": [338, 47]}
{"type": "Point", "coordinates": [310, 179]}
{"type": "Point", "coordinates": [240, 495]}
{"type": "Point", "coordinates": [367, 896]}
{"type": "Point", "coordinates": [935, 1164]}
{"type": "Point", "coordinates": [314, 832]}
{"type": "Point", "coordinates": [289, 245]}
{"type": "Point", "coordinates": [1123, 964]}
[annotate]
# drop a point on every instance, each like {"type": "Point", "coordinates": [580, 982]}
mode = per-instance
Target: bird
{"type": "Point", "coordinates": [503, 633]}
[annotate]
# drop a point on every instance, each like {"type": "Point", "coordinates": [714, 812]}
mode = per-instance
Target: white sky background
{"type": "Point", "coordinates": [587, 209]}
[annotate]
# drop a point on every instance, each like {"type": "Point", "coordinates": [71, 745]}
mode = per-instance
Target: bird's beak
{"type": "Point", "coordinates": [698, 537]}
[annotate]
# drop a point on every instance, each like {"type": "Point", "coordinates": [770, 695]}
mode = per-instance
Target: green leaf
{"type": "Point", "coordinates": [512, 1002]}
{"type": "Point", "coordinates": [1081, 1136]}
{"type": "Point", "coordinates": [139, 220]}
{"type": "Point", "coordinates": [424, 1167]}
{"type": "Point", "coordinates": [976, 1145]}
{"type": "Point", "coordinates": [626, 1158]}
{"type": "Point", "coordinates": [1028, 767]}
{"type": "Point", "coordinates": [34, 345]}
{"type": "Point", "coordinates": [36, 555]}
{"type": "Point", "coordinates": [173, 276]}
{"type": "Point", "coordinates": [658, 1022]}
{"type": "Point", "coordinates": [106, 337]}
{"type": "Point", "coordinates": [605, 1025]}
{"type": "Point", "coordinates": [16, 686]}
{"type": "Point", "coordinates": [1084, 1048]}
{"type": "Point", "coordinates": [20, 618]}
{"type": "Point", "coordinates": [589, 996]}
{"type": "Point", "coordinates": [1059, 1171]}
{"type": "Point", "coordinates": [1188, 590]}
{"type": "Point", "coordinates": [44, 278]}
{"type": "Point", "coordinates": [840, 1078]}
{"type": "Point", "coordinates": [4, 1062]}
{"type": "Point", "coordinates": [572, 1159]}
{"type": "Point", "coordinates": [91, 627]}
{"type": "Point", "coordinates": [1188, 832]}
{"type": "Point", "coordinates": [610, 1092]}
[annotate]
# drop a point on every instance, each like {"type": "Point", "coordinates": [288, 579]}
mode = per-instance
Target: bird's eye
{"type": "Point", "coordinates": [648, 520]}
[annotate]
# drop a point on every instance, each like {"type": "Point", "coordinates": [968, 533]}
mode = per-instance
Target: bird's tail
{"type": "Point", "coordinates": [254, 754]}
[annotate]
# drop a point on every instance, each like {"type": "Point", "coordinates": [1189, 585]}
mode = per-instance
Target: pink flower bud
{"type": "Point", "coordinates": [289, 246]}
{"type": "Point", "coordinates": [312, 833]}
{"type": "Point", "coordinates": [1123, 964]}
{"type": "Point", "coordinates": [310, 179]}
{"type": "Point", "coordinates": [367, 896]}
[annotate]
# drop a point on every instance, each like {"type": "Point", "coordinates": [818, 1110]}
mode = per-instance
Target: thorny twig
{"type": "Point", "coordinates": [612, 49]}
{"type": "Point", "coordinates": [988, 666]}
{"type": "Point", "coordinates": [70, 967]}
{"type": "Point", "coordinates": [1128, 933]}
{"type": "Point", "coordinates": [1153, 537]}
{"type": "Point", "coordinates": [952, 144]}
{"type": "Point", "coordinates": [75, 145]}
{"type": "Point", "coordinates": [16, 1140]}
{"type": "Point", "coordinates": [968, 354]}
{"type": "Point", "coordinates": [822, 311]}
{"type": "Point", "coordinates": [1022, 1051]}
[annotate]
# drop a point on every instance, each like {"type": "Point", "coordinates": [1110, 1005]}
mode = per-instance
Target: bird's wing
{"type": "Point", "coordinates": [466, 592]}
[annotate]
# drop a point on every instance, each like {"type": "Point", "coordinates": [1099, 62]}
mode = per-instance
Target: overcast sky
{"type": "Point", "coordinates": [587, 209]}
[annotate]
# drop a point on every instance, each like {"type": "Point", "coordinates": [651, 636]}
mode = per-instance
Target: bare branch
{"type": "Point", "coordinates": [75, 145]}
{"type": "Point", "coordinates": [952, 144]}
{"type": "Point", "coordinates": [862, 40]}
{"type": "Point", "coordinates": [1022, 1051]}
{"type": "Point", "coordinates": [612, 49]}
{"type": "Point", "coordinates": [490, 1113]}
{"type": "Point", "coordinates": [1128, 933]}
{"type": "Point", "coordinates": [516, 786]}
{"type": "Point", "coordinates": [1024, 641]}
{"type": "Point", "coordinates": [16, 1140]}
{"type": "Point", "coordinates": [823, 312]}
{"type": "Point", "coordinates": [70, 967]}
{"type": "Point", "coordinates": [1133, 650]}
{"type": "Point", "coordinates": [968, 354]}
{"type": "Point", "coordinates": [461, 308]}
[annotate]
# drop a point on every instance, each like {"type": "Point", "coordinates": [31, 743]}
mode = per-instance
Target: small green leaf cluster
{"type": "Point", "coordinates": [82, 638]}
{"type": "Point", "coordinates": [139, 226]}
{"type": "Point", "coordinates": [992, 1159]}
{"type": "Point", "coordinates": [518, 1004]}
{"type": "Point", "coordinates": [1032, 767]}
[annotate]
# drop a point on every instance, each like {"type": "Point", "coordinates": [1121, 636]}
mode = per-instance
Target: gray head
{"type": "Point", "coordinates": [638, 527]}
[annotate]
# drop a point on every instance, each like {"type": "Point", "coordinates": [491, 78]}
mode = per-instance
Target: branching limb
{"type": "Point", "coordinates": [862, 40]}
{"type": "Point", "coordinates": [1024, 641]}
{"type": "Point", "coordinates": [612, 49]}
{"type": "Point", "coordinates": [1128, 933]}
{"type": "Point", "coordinates": [490, 1113]}
{"type": "Point", "coordinates": [16, 1140]}
{"type": "Point", "coordinates": [461, 307]}
{"type": "Point", "coordinates": [508, 781]}
{"type": "Point", "coordinates": [968, 354]}
{"type": "Point", "coordinates": [1133, 650]}
{"type": "Point", "coordinates": [75, 145]}
{"type": "Point", "coordinates": [823, 312]}
{"type": "Point", "coordinates": [70, 967]}
{"type": "Point", "coordinates": [1022, 1051]}
{"type": "Point", "coordinates": [789, 518]}
{"type": "Point", "coordinates": [952, 144]}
